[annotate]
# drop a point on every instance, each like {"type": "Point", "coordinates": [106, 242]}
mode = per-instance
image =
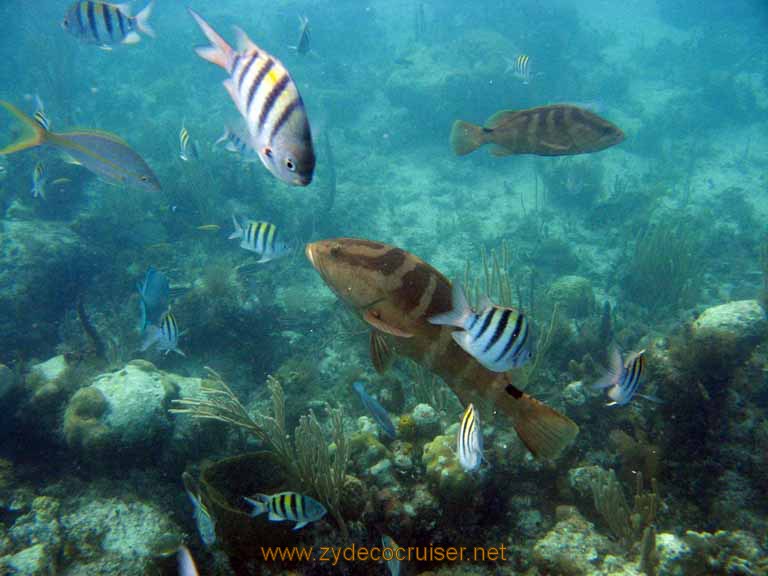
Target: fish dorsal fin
{"type": "Point", "coordinates": [125, 7]}
{"type": "Point", "coordinates": [498, 118]}
{"type": "Point", "coordinates": [374, 318]}
{"type": "Point", "coordinates": [244, 43]}
{"type": "Point", "coordinates": [99, 133]}
{"type": "Point", "coordinates": [381, 353]}
{"type": "Point", "coordinates": [484, 303]}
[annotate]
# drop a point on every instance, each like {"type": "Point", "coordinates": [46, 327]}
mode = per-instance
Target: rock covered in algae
{"type": "Point", "coordinates": [743, 321]}
{"type": "Point", "coordinates": [721, 553]}
{"type": "Point", "coordinates": [426, 420]}
{"type": "Point", "coordinates": [574, 295]}
{"type": "Point", "coordinates": [571, 547]}
{"type": "Point", "coordinates": [444, 472]}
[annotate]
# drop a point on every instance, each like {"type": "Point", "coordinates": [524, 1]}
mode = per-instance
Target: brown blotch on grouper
{"type": "Point", "coordinates": [397, 302]}
{"type": "Point", "coordinates": [556, 130]}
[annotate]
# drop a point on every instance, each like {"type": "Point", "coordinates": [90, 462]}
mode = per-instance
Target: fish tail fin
{"type": "Point", "coordinates": [467, 137]}
{"type": "Point", "coordinates": [151, 335]}
{"type": "Point", "coordinates": [460, 312]}
{"type": "Point", "coordinates": [219, 52]}
{"type": "Point", "coordinates": [543, 430]}
{"type": "Point", "coordinates": [142, 20]}
{"type": "Point", "coordinates": [33, 134]}
{"type": "Point", "coordinates": [259, 504]}
{"type": "Point", "coordinates": [238, 233]}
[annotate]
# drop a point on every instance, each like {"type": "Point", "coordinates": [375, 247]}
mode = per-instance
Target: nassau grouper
{"type": "Point", "coordinates": [396, 292]}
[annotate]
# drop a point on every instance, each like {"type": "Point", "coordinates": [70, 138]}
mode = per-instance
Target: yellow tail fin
{"type": "Point", "coordinates": [466, 137]}
{"type": "Point", "coordinates": [32, 135]}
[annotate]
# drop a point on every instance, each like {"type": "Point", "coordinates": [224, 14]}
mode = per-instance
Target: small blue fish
{"type": "Point", "coordinates": [496, 336]}
{"type": "Point", "coordinates": [164, 337]}
{"type": "Point", "coordinates": [469, 440]}
{"type": "Point", "coordinates": [238, 143]}
{"type": "Point", "coordinates": [624, 378]}
{"type": "Point", "coordinates": [394, 565]}
{"type": "Point", "coordinates": [154, 295]}
{"type": "Point", "coordinates": [260, 237]}
{"type": "Point", "coordinates": [38, 181]}
{"type": "Point", "coordinates": [287, 506]}
{"type": "Point", "coordinates": [206, 525]}
{"type": "Point", "coordinates": [96, 22]}
{"type": "Point", "coordinates": [376, 410]}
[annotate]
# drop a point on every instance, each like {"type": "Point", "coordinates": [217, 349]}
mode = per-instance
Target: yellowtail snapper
{"type": "Point", "coordinates": [269, 100]}
{"type": "Point", "coordinates": [164, 337]}
{"type": "Point", "coordinates": [287, 506]}
{"type": "Point", "coordinates": [105, 24]}
{"type": "Point", "coordinates": [187, 148]}
{"type": "Point", "coordinates": [238, 143]}
{"type": "Point", "coordinates": [261, 238]}
{"type": "Point", "coordinates": [302, 46]}
{"type": "Point", "coordinates": [624, 378]}
{"type": "Point", "coordinates": [104, 154]}
{"type": "Point", "coordinates": [520, 68]}
{"type": "Point", "coordinates": [38, 181]}
{"type": "Point", "coordinates": [469, 440]}
{"type": "Point", "coordinates": [206, 526]}
{"type": "Point", "coordinates": [376, 410]}
{"type": "Point", "coordinates": [497, 337]}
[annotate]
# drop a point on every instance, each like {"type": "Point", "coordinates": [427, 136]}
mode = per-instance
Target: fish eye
{"type": "Point", "coordinates": [290, 165]}
{"type": "Point", "coordinates": [144, 178]}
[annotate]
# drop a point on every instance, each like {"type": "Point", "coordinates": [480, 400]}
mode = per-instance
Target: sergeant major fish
{"type": "Point", "coordinates": [555, 130]}
{"type": "Point", "coordinates": [520, 68]}
{"type": "Point", "coordinates": [268, 99]}
{"type": "Point", "coordinates": [624, 378]}
{"type": "Point", "coordinates": [376, 410]}
{"type": "Point", "coordinates": [206, 525]}
{"type": "Point", "coordinates": [104, 154]}
{"type": "Point", "coordinates": [261, 238]}
{"type": "Point", "coordinates": [164, 337]}
{"type": "Point", "coordinates": [396, 292]}
{"type": "Point", "coordinates": [302, 46]}
{"type": "Point", "coordinates": [105, 24]}
{"type": "Point", "coordinates": [469, 440]}
{"type": "Point", "coordinates": [497, 337]}
{"type": "Point", "coordinates": [38, 181]}
{"type": "Point", "coordinates": [187, 148]}
{"type": "Point", "coordinates": [287, 506]}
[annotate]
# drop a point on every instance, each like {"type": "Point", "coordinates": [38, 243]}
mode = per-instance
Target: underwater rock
{"type": "Point", "coordinates": [32, 561]}
{"type": "Point", "coordinates": [47, 379]}
{"type": "Point", "coordinates": [726, 553]}
{"type": "Point", "coordinates": [444, 472]}
{"type": "Point", "coordinates": [37, 539]}
{"type": "Point", "coordinates": [573, 394]}
{"type": "Point", "coordinates": [743, 322]}
{"type": "Point", "coordinates": [571, 547]}
{"type": "Point", "coordinates": [574, 295]}
{"type": "Point", "coordinates": [426, 420]}
{"type": "Point", "coordinates": [581, 479]}
{"type": "Point", "coordinates": [365, 449]}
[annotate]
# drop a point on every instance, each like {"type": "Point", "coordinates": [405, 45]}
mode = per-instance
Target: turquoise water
{"type": "Point", "coordinates": [657, 243]}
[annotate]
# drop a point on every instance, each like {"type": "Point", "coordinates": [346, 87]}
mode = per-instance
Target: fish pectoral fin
{"type": "Point", "coordinates": [300, 525]}
{"type": "Point", "coordinates": [274, 517]}
{"type": "Point", "coordinates": [381, 353]}
{"type": "Point", "coordinates": [374, 318]}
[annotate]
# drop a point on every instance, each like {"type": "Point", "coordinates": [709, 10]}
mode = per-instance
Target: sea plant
{"type": "Point", "coordinates": [627, 524]}
{"type": "Point", "coordinates": [308, 458]}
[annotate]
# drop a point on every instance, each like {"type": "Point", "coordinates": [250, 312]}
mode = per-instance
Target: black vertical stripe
{"type": "Point", "coordinates": [286, 113]}
{"type": "Point", "coordinates": [501, 326]}
{"type": "Point", "coordinates": [121, 22]}
{"type": "Point", "coordinates": [80, 18]}
{"type": "Point", "coordinates": [265, 68]}
{"type": "Point", "coordinates": [106, 9]}
{"type": "Point", "coordinates": [486, 322]}
{"type": "Point", "coordinates": [272, 97]}
{"type": "Point", "coordinates": [246, 67]}
{"type": "Point", "coordinates": [512, 338]}
{"type": "Point", "coordinates": [92, 21]}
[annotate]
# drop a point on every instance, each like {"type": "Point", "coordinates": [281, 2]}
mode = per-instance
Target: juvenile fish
{"type": "Point", "coordinates": [624, 378]}
{"type": "Point", "coordinates": [187, 149]}
{"type": "Point", "coordinates": [104, 154]}
{"type": "Point", "coordinates": [395, 564]}
{"type": "Point", "coordinates": [376, 410]}
{"type": "Point", "coordinates": [497, 337]}
{"type": "Point", "coordinates": [164, 337]}
{"type": "Point", "coordinates": [38, 181]}
{"type": "Point", "coordinates": [237, 143]}
{"type": "Point", "coordinates": [268, 99]}
{"type": "Point", "coordinates": [209, 228]}
{"type": "Point", "coordinates": [206, 526]}
{"type": "Point", "coordinates": [469, 440]}
{"type": "Point", "coordinates": [95, 22]}
{"type": "Point", "coordinates": [261, 238]}
{"type": "Point", "coordinates": [40, 116]}
{"type": "Point", "coordinates": [287, 506]}
{"type": "Point", "coordinates": [521, 68]}
{"type": "Point", "coordinates": [302, 46]}
{"type": "Point", "coordinates": [154, 297]}
{"type": "Point", "coordinates": [556, 130]}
